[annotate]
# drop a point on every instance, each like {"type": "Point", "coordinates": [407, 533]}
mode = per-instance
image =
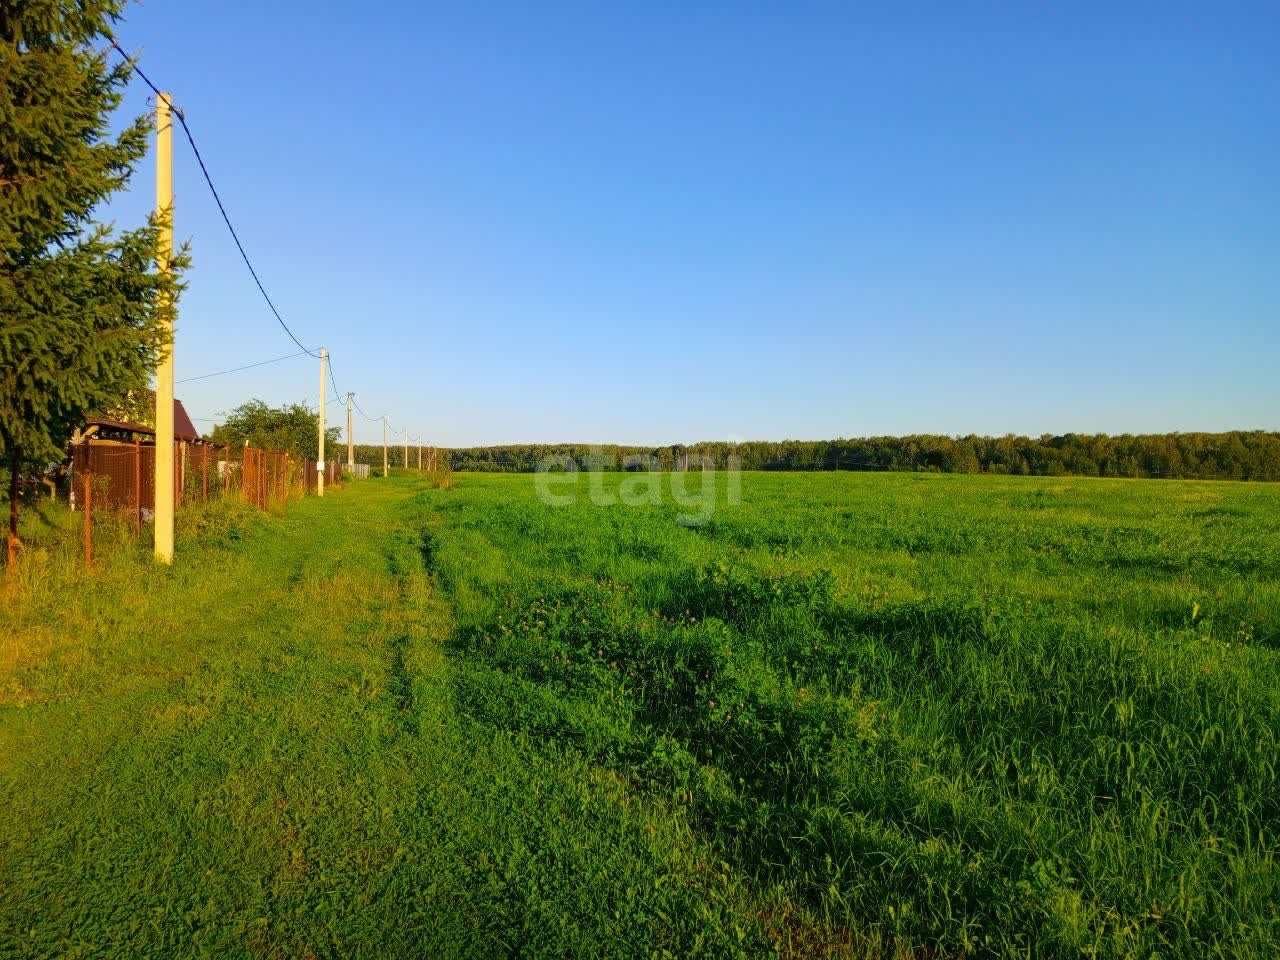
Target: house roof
{"type": "Point", "coordinates": [183, 428]}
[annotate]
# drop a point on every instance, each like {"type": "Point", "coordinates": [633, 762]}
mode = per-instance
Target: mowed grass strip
{"type": "Point", "coordinates": [257, 753]}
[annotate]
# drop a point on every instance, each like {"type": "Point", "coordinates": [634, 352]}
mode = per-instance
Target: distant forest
{"type": "Point", "coordinates": [1238, 455]}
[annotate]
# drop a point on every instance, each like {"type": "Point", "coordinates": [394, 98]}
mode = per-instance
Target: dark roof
{"type": "Point", "coordinates": [183, 428]}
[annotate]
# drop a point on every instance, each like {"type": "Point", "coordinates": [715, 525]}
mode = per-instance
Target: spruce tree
{"type": "Point", "coordinates": [80, 303]}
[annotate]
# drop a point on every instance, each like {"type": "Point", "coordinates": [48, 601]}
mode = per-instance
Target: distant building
{"type": "Point", "coordinates": [122, 429]}
{"type": "Point", "coordinates": [120, 447]}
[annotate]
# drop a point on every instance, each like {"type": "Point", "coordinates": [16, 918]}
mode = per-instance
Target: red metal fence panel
{"type": "Point", "coordinates": [123, 475]}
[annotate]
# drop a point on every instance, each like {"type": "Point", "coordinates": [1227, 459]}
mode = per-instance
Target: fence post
{"type": "Point", "coordinates": [137, 485]}
{"type": "Point", "coordinates": [204, 469]}
{"type": "Point", "coordinates": [226, 470]}
{"type": "Point", "coordinates": [88, 520]}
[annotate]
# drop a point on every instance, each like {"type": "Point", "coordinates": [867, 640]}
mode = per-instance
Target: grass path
{"type": "Point", "coordinates": [256, 754]}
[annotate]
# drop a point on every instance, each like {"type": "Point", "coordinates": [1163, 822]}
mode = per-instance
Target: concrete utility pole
{"type": "Point", "coordinates": [351, 443]}
{"type": "Point", "coordinates": [384, 446]}
{"type": "Point", "coordinates": [419, 458]}
{"type": "Point", "coordinates": [324, 373]}
{"type": "Point", "coordinates": [164, 371]}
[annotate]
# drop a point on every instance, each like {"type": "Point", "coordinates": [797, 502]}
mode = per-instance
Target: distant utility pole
{"type": "Point", "coordinates": [324, 373]}
{"type": "Point", "coordinates": [384, 446]}
{"type": "Point", "coordinates": [164, 371]}
{"type": "Point", "coordinates": [351, 443]}
{"type": "Point", "coordinates": [406, 451]}
{"type": "Point", "coordinates": [419, 458]}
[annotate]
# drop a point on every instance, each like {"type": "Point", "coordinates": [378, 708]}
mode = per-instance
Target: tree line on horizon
{"type": "Point", "coordinates": [1234, 455]}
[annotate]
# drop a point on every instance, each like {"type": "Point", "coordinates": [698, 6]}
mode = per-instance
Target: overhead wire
{"type": "Point", "coordinates": [208, 179]}
{"type": "Point", "coordinates": [226, 218]}
{"type": "Point", "coordinates": [355, 403]}
{"type": "Point", "coordinates": [247, 366]}
{"type": "Point", "coordinates": [332, 379]}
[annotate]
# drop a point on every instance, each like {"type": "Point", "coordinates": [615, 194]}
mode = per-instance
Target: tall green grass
{"type": "Point", "coordinates": [989, 716]}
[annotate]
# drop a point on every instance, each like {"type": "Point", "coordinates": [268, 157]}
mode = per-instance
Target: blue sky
{"type": "Point", "coordinates": [658, 222]}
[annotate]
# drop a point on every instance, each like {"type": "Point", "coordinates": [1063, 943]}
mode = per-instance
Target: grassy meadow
{"type": "Point", "coordinates": [832, 714]}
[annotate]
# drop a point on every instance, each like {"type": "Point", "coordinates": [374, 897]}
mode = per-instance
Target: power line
{"type": "Point", "coordinates": [248, 366]}
{"type": "Point", "coordinates": [356, 404]}
{"type": "Point", "coordinates": [332, 379]}
{"type": "Point", "coordinates": [382, 420]}
{"type": "Point", "coordinates": [182, 120]}
{"type": "Point", "coordinates": [226, 218]}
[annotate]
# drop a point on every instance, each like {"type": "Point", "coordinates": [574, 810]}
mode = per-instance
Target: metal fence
{"type": "Point", "coordinates": [120, 477]}
{"type": "Point", "coordinates": [332, 474]}
{"type": "Point", "coordinates": [123, 475]}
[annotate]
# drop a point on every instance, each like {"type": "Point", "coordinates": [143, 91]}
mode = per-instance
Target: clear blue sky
{"type": "Point", "coordinates": [668, 222]}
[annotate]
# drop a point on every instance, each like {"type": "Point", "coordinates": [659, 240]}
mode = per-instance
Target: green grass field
{"type": "Point", "coordinates": [870, 715]}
